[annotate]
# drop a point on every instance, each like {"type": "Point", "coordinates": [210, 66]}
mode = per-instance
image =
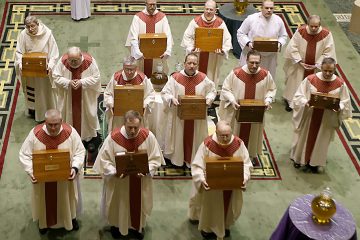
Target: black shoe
{"type": "Point", "coordinates": [31, 113]}
{"type": "Point", "coordinates": [135, 234]}
{"type": "Point", "coordinates": [115, 233]}
{"type": "Point", "coordinates": [287, 107]}
{"type": "Point", "coordinates": [207, 235]}
{"type": "Point", "coordinates": [227, 233]}
{"type": "Point", "coordinates": [75, 224]}
{"type": "Point", "coordinates": [43, 231]}
{"type": "Point", "coordinates": [254, 161]}
{"type": "Point", "coordinates": [314, 169]}
{"type": "Point", "coordinates": [297, 165]}
{"type": "Point", "coordinates": [193, 221]}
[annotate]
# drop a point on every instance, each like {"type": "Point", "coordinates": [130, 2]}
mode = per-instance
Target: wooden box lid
{"type": "Point", "coordinates": [51, 165]}
{"type": "Point", "coordinates": [251, 110]}
{"type": "Point", "coordinates": [152, 45]}
{"type": "Point", "coordinates": [34, 64]}
{"type": "Point", "coordinates": [224, 173]}
{"type": "Point", "coordinates": [264, 44]}
{"type": "Point", "coordinates": [208, 39]}
{"type": "Point", "coordinates": [324, 101]}
{"type": "Point", "coordinates": [128, 97]}
{"type": "Point", "coordinates": [191, 107]}
{"type": "Point", "coordinates": [132, 162]}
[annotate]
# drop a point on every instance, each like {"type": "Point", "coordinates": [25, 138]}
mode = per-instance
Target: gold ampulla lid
{"type": "Point", "coordinates": [323, 207]}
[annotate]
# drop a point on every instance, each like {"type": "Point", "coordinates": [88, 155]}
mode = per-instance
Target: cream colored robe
{"type": "Point", "coordinates": [115, 205]}
{"type": "Point", "coordinates": [207, 206]}
{"type": "Point", "coordinates": [256, 25]}
{"type": "Point", "coordinates": [296, 52]}
{"type": "Point", "coordinates": [44, 95]}
{"type": "Point", "coordinates": [149, 98]}
{"type": "Point", "coordinates": [215, 60]}
{"type": "Point", "coordinates": [233, 89]}
{"type": "Point", "coordinates": [330, 122]}
{"type": "Point", "coordinates": [91, 88]}
{"type": "Point", "coordinates": [137, 27]}
{"type": "Point", "coordinates": [175, 126]}
{"type": "Point", "coordinates": [80, 9]}
{"type": "Point", "coordinates": [68, 192]}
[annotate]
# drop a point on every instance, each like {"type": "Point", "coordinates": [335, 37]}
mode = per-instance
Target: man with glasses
{"type": "Point", "coordinates": [149, 20]}
{"type": "Point", "coordinates": [262, 24]}
{"type": "Point", "coordinates": [209, 63]}
{"type": "Point", "coordinates": [129, 75]}
{"type": "Point", "coordinates": [39, 93]}
{"type": "Point", "coordinates": [77, 78]}
{"type": "Point", "coordinates": [247, 82]}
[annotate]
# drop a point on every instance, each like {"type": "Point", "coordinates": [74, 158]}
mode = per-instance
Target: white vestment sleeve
{"type": "Point", "coordinates": [168, 92]}
{"type": "Point", "coordinates": [242, 33]}
{"type": "Point", "coordinates": [59, 80]}
{"type": "Point", "coordinates": [25, 153]}
{"type": "Point", "coordinates": [155, 156]}
{"type": "Point", "coordinates": [105, 161]}
{"type": "Point", "coordinates": [93, 81]}
{"type": "Point", "coordinates": [149, 93]}
{"type": "Point", "coordinates": [109, 94]}
{"type": "Point", "coordinates": [188, 41]}
{"type": "Point", "coordinates": [78, 150]}
{"type": "Point", "coordinates": [198, 166]}
{"type": "Point", "coordinates": [53, 52]}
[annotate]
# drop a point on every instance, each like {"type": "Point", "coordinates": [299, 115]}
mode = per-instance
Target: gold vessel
{"type": "Point", "coordinates": [323, 207]}
{"type": "Point", "coordinates": [240, 6]}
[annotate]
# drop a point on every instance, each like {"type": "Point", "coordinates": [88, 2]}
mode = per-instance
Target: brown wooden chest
{"type": "Point", "coordinates": [208, 39]}
{"type": "Point", "coordinates": [324, 101]}
{"type": "Point", "coordinates": [51, 165]}
{"type": "Point", "coordinates": [251, 110]}
{"type": "Point", "coordinates": [152, 45]}
{"type": "Point", "coordinates": [132, 163]}
{"type": "Point", "coordinates": [191, 107]}
{"type": "Point", "coordinates": [224, 173]}
{"type": "Point", "coordinates": [263, 44]}
{"type": "Point", "coordinates": [128, 97]}
{"type": "Point", "coordinates": [34, 64]}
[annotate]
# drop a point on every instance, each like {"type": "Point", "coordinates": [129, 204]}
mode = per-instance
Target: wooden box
{"type": "Point", "coordinates": [191, 107]}
{"type": "Point", "coordinates": [152, 45]}
{"type": "Point", "coordinates": [224, 173]}
{"type": "Point", "coordinates": [263, 44]}
{"type": "Point", "coordinates": [51, 165]}
{"type": "Point", "coordinates": [34, 64]}
{"type": "Point", "coordinates": [128, 97]}
{"type": "Point", "coordinates": [251, 110]}
{"type": "Point", "coordinates": [132, 163]}
{"type": "Point", "coordinates": [324, 101]}
{"type": "Point", "coordinates": [208, 39]}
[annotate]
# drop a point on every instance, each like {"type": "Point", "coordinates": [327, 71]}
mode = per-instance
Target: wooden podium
{"type": "Point", "coordinates": [152, 45]}
{"type": "Point", "coordinates": [51, 165]}
{"type": "Point", "coordinates": [263, 44]}
{"type": "Point", "coordinates": [251, 111]}
{"type": "Point", "coordinates": [224, 173]}
{"type": "Point", "coordinates": [34, 64]}
{"type": "Point", "coordinates": [128, 97]}
{"type": "Point", "coordinates": [324, 101]}
{"type": "Point", "coordinates": [191, 107]}
{"type": "Point", "coordinates": [208, 39]}
{"type": "Point", "coordinates": [132, 163]}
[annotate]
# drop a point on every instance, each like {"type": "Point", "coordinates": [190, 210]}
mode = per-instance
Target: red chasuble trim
{"type": "Point", "coordinates": [137, 80]}
{"type": "Point", "coordinates": [189, 84]}
{"type": "Point", "coordinates": [51, 187]}
{"type": "Point", "coordinates": [134, 182]}
{"type": "Point", "coordinates": [150, 21]}
{"type": "Point", "coordinates": [317, 115]}
{"type": "Point", "coordinates": [312, 41]}
{"type": "Point", "coordinates": [76, 95]}
{"type": "Point", "coordinates": [204, 56]}
{"type": "Point", "coordinates": [227, 151]}
{"type": "Point", "coordinates": [250, 81]}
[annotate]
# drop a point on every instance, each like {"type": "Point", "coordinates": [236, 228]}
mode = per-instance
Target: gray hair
{"type": "Point", "coordinates": [328, 60]}
{"type": "Point", "coordinates": [313, 17]}
{"type": "Point", "coordinates": [131, 115]}
{"type": "Point", "coordinates": [53, 113]}
{"type": "Point", "coordinates": [74, 51]}
{"type": "Point", "coordinates": [211, 2]}
{"type": "Point", "coordinates": [30, 19]}
{"type": "Point", "coordinates": [129, 60]}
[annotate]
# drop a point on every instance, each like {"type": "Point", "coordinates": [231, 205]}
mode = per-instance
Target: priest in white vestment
{"type": "Point", "coordinates": [55, 204]}
{"type": "Point", "coordinates": [262, 24]}
{"type": "Point", "coordinates": [127, 199]}
{"type": "Point", "coordinates": [217, 210]}
{"type": "Point", "coordinates": [80, 9]}
{"type": "Point", "coordinates": [149, 20]}
{"type": "Point", "coordinates": [77, 78]}
{"type": "Point", "coordinates": [129, 75]}
{"type": "Point", "coordinates": [210, 62]}
{"type": "Point", "coordinates": [307, 48]}
{"type": "Point", "coordinates": [247, 82]}
{"type": "Point", "coordinates": [183, 137]}
{"type": "Point", "coordinates": [39, 92]}
{"type": "Point", "coordinates": [314, 128]}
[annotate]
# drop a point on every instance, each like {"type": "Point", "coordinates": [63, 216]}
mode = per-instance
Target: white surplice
{"type": "Point", "coordinates": [80, 9]}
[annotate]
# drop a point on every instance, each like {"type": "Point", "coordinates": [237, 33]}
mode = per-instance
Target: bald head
{"type": "Point", "coordinates": [314, 23]}
{"type": "Point", "coordinates": [53, 121]}
{"type": "Point", "coordinates": [209, 10]}
{"type": "Point", "coordinates": [223, 132]}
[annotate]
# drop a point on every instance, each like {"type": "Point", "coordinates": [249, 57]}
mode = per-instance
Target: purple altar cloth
{"type": "Point", "coordinates": [297, 223]}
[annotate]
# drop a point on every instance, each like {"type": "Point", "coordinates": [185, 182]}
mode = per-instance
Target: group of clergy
{"type": "Point", "coordinates": [73, 86]}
